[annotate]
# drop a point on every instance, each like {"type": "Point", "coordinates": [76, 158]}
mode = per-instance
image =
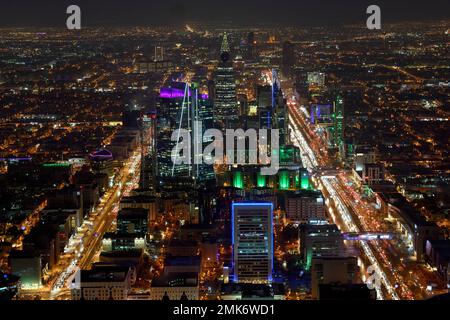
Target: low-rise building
{"type": "Point", "coordinates": [414, 228]}
{"type": "Point", "coordinates": [327, 270]}
{"type": "Point", "coordinates": [133, 221]}
{"type": "Point", "coordinates": [9, 285]}
{"type": "Point", "coordinates": [141, 201]}
{"type": "Point", "coordinates": [305, 205]}
{"type": "Point", "coordinates": [176, 286]}
{"type": "Point", "coordinates": [108, 282]}
{"type": "Point", "coordinates": [251, 291]}
{"type": "Point", "coordinates": [178, 247]}
{"type": "Point", "coordinates": [28, 266]}
{"type": "Point", "coordinates": [437, 253]}
{"type": "Point", "coordinates": [181, 264]}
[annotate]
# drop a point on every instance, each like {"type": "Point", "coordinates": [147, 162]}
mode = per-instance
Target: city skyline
{"type": "Point", "coordinates": [204, 158]}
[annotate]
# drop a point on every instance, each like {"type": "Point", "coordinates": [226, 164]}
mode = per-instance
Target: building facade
{"type": "Point", "coordinates": [225, 103]}
{"type": "Point", "coordinates": [252, 232]}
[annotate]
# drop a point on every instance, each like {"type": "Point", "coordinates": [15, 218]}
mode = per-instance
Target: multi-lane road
{"type": "Point", "coordinates": [354, 214]}
{"type": "Point", "coordinates": [102, 221]}
{"type": "Point", "coordinates": [86, 243]}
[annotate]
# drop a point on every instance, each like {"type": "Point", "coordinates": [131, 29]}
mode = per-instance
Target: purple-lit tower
{"type": "Point", "coordinates": [182, 106]}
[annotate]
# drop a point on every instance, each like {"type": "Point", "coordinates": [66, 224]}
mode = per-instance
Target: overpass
{"type": "Point", "coordinates": [368, 236]}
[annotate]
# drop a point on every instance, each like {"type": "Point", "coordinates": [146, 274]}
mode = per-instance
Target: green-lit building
{"type": "Point", "coordinates": [320, 241]}
{"type": "Point", "coordinates": [250, 177]}
{"type": "Point", "coordinates": [338, 122]}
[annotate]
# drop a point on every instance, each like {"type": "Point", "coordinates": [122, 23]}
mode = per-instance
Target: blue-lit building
{"type": "Point", "coordinates": [321, 114]}
{"type": "Point", "coordinates": [252, 235]}
{"type": "Point", "coordinates": [9, 285]}
{"type": "Point", "coordinates": [272, 109]}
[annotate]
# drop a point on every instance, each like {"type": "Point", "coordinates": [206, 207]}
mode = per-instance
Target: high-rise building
{"type": "Point", "coordinates": [338, 122]}
{"type": "Point", "coordinates": [272, 111]}
{"type": "Point", "coordinates": [144, 64]}
{"type": "Point", "coordinates": [343, 291]}
{"type": "Point", "coordinates": [290, 156]}
{"type": "Point", "coordinates": [264, 96]}
{"type": "Point", "coordinates": [131, 117]}
{"type": "Point", "coordinates": [205, 172]}
{"type": "Point", "coordinates": [225, 104]}
{"type": "Point", "coordinates": [252, 232]}
{"type": "Point", "coordinates": [281, 122]}
{"type": "Point", "coordinates": [178, 107]}
{"type": "Point", "coordinates": [320, 240]}
{"type": "Point", "coordinates": [251, 38]}
{"type": "Point", "coordinates": [288, 58]}
{"type": "Point", "coordinates": [355, 108]}
{"type": "Point", "coordinates": [148, 150]}
{"type": "Point", "coordinates": [265, 115]}
{"type": "Point", "coordinates": [305, 205]}
{"type": "Point", "coordinates": [171, 115]}
{"type": "Point", "coordinates": [144, 201]}
{"type": "Point", "coordinates": [176, 286]}
{"type": "Point", "coordinates": [250, 54]}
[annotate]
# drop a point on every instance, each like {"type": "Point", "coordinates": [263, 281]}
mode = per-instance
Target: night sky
{"type": "Point", "coordinates": [152, 12]}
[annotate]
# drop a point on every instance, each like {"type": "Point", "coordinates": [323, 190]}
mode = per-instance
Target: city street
{"type": "Point", "coordinates": [356, 215]}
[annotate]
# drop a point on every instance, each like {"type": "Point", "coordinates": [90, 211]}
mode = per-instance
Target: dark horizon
{"type": "Point", "coordinates": [50, 13]}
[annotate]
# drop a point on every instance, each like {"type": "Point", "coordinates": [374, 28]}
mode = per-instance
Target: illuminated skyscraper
{"type": "Point", "coordinates": [250, 54]}
{"type": "Point", "coordinates": [288, 58]}
{"type": "Point", "coordinates": [264, 96]}
{"type": "Point", "coordinates": [205, 172]}
{"type": "Point", "coordinates": [225, 46]}
{"type": "Point", "coordinates": [252, 232]}
{"type": "Point", "coordinates": [225, 105]}
{"type": "Point", "coordinates": [169, 108]}
{"type": "Point", "coordinates": [131, 117]}
{"type": "Point", "coordinates": [272, 110]}
{"type": "Point", "coordinates": [180, 106]}
{"type": "Point", "coordinates": [338, 122]}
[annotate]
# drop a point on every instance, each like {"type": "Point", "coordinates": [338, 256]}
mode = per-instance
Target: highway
{"type": "Point", "coordinates": [103, 219]}
{"type": "Point", "coordinates": [350, 224]}
{"type": "Point", "coordinates": [86, 243]}
{"type": "Point", "coordinates": [316, 160]}
{"type": "Point", "coordinates": [402, 277]}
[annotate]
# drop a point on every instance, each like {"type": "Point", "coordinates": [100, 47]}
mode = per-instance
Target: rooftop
{"type": "Point", "coordinates": [185, 279]}
{"type": "Point", "coordinates": [106, 273]}
{"type": "Point", "coordinates": [182, 261]}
